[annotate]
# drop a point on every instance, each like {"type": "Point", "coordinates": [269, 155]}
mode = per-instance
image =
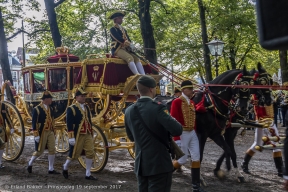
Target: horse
{"type": "Point", "coordinates": [260, 77]}
{"type": "Point", "coordinates": [216, 100]}
{"type": "Point", "coordinates": [212, 123]}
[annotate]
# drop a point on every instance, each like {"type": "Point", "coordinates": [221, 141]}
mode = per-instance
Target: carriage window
{"type": "Point", "coordinates": [39, 81]}
{"type": "Point", "coordinates": [27, 83]}
{"type": "Point", "coordinates": [57, 79]}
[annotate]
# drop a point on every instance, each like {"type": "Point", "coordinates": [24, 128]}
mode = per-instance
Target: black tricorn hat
{"type": "Point", "coordinates": [117, 14]}
{"type": "Point", "coordinates": [79, 91]}
{"type": "Point", "coordinates": [176, 90]}
{"type": "Point", "coordinates": [47, 94]}
{"type": "Point", "coordinates": [186, 84]}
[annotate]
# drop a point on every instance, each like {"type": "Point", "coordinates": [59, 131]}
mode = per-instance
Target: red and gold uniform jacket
{"type": "Point", "coordinates": [262, 111]}
{"type": "Point", "coordinates": [184, 114]}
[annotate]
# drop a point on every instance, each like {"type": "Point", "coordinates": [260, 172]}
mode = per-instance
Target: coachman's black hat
{"type": "Point", "coordinates": [186, 84]}
{"type": "Point", "coordinates": [47, 94]}
{"type": "Point", "coordinates": [79, 91]}
{"type": "Point", "coordinates": [117, 14]}
{"type": "Point", "coordinates": [177, 90]}
{"type": "Point", "coordinates": [147, 81]}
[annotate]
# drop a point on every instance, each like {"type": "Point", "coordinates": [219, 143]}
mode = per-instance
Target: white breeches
{"type": "Point", "coordinates": [190, 146]}
{"type": "Point", "coordinates": [259, 133]}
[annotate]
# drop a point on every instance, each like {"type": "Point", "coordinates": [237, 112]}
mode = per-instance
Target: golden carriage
{"type": "Point", "coordinates": [110, 85]}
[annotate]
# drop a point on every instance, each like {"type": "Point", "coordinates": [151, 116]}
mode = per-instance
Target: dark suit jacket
{"type": "Point", "coordinates": [117, 38]}
{"type": "Point", "coordinates": [75, 119]}
{"type": "Point", "coordinates": [39, 118]}
{"type": "Point", "coordinates": [152, 157]}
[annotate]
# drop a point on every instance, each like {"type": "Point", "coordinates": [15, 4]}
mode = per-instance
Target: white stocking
{"type": "Point", "coordinates": [140, 68]}
{"type": "Point", "coordinates": [88, 167]}
{"type": "Point", "coordinates": [32, 160]}
{"type": "Point", "coordinates": [65, 166]}
{"type": "Point", "coordinates": [133, 68]}
{"type": "Point", "coordinates": [51, 159]}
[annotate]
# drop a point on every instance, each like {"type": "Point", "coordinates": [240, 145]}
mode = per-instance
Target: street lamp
{"type": "Point", "coordinates": [216, 47]}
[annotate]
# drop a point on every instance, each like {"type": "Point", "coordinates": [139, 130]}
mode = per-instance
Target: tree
{"type": "Point", "coordinates": [207, 61]}
{"type": "Point", "coordinates": [6, 27]}
{"type": "Point", "coordinates": [284, 66]}
{"type": "Point", "coordinates": [52, 18]}
{"type": "Point", "coordinates": [147, 30]}
{"type": "Point", "coordinates": [4, 52]}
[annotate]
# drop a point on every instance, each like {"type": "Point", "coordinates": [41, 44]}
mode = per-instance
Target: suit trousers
{"type": "Point", "coordinates": [128, 57]}
{"type": "Point", "coordinates": [259, 133]}
{"type": "Point", "coordinates": [47, 138]}
{"type": "Point", "coordinates": [189, 146]}
{"type": "Point", "coordinates": [155, 183]}
{"type": "Point", "coordinates": [84, 142]}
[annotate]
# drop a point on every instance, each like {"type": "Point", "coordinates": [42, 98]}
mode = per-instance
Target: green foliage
{"type": "Point", "coordinates": [85, 30]}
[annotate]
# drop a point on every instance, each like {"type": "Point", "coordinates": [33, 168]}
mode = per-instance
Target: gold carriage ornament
{"type": "Point", "coordinates": [110, 86]}
{"type": "Point", "coordinates": [63, 50]}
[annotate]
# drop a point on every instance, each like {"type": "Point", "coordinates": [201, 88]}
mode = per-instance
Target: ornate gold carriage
{"type": "Point", "coordinates": [110, 86]}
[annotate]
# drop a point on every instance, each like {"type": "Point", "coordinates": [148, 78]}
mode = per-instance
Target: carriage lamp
{"type": "Point", "coordinates": [216, 47]}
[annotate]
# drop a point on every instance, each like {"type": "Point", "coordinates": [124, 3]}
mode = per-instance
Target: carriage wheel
{"type": "Point", "coordinates": [61, 140]}
{"type": "Point", "coordinates": [101, 151]}
{"type": "Point", "coordinates": [15, 142]}
{"type": "Point", "coordinates": [131, 150]}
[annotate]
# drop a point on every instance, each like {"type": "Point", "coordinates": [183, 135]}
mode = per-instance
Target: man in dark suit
{"type": "Point", "coordinates": [153, 164]}
{"type": "Point", "coordinates": [121, 45]}
{"type": "Point", "coordinates": [80, 133]}
{"type": "Point", "coordinates": [43, 130]}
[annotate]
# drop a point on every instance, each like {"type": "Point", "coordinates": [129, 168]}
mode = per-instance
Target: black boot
{"type": "Point", "coordinates": [195, 175]}
{"type": "Point", "coordinates": [279, 165]}
{"type": "Point", "coordinates": [245, 163]}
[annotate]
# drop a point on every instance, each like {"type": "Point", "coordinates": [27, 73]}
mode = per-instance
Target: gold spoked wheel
{"type": "Point", "coordinates": [131, 150]}
{"type": "Point", "coordinates": [15, 141]}
{"type": "Point", "coordinates": [61, 140]}
{"type": "Point", "coordinates": [101, 151]}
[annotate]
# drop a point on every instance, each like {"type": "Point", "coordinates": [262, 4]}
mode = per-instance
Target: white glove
{"type": "Point", "coordinates": [12, 131]}
{"type": "Point", "coordinates": [72, 141]}
{"type": "Point", "coordinates": [37, 139]}
{"type": "Point", "coordinates": [132, 47]}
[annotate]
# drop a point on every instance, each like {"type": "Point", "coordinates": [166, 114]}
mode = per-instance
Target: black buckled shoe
{"type": "Point", "coordinates": [53, 172]}
{"type": "Point", "coordinates": [65, 173]}
{"type": "Point", "coordinates": [29, 169]}
{"type": "Point", "coordinates": [91, 178]}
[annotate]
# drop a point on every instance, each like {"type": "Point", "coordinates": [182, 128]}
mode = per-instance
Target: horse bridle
{"type": "Point", "coordinates": [239, 80]}
{"type": "Point", "coordinates": [263, 79]}
{"type": "Point", "coordinates": [245, 81]}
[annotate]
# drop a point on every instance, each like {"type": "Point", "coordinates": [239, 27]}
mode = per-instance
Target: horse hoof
{"type": "Point", "coordinates": [241, 179]}
{"type": "Point", "coordinates": [219, 174]}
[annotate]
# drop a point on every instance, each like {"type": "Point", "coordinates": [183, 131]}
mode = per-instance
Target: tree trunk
{"type": "Point", "coordinates": [232, 58]}
{"type": "Point", "coordinates": [284, 66]}
{"type": "Point", "coordinates": [204, 35]}
{"type": "Point", "coordinates": [147, 31]}
{"type": "Point", "coordinates": [4, 62]}
{"type": "Point", "coordinates": [50, 8]}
